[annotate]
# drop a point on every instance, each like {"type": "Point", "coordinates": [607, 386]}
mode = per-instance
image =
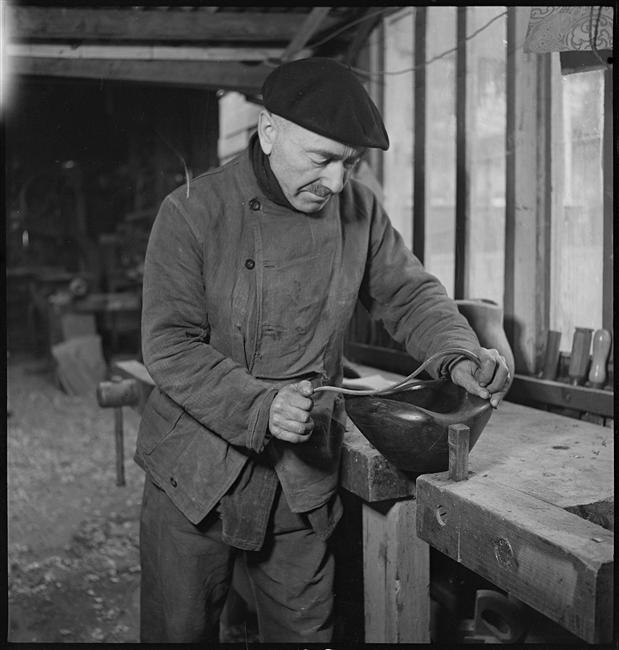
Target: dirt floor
{"type": "Point", "coordinates": [73, 561]}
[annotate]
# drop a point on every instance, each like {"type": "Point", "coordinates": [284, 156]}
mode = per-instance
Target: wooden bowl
{"type": "Point", "coordinates": [410, 427]}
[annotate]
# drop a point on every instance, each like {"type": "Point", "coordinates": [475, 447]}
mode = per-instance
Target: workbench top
{"type": "Point", "coordinates": [557, 459]}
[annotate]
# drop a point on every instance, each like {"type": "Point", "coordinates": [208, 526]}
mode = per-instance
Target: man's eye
{"type": "Point", "coordinates": [321, 162]}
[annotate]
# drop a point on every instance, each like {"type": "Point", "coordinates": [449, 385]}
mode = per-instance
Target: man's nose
{"type": "Point", "coordinates": [335, 176]}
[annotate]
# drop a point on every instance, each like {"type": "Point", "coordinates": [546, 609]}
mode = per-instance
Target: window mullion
{"type": "Point", "coordinates": [462, 186]}
{"type": "Point", "coordinates": [419, 139]}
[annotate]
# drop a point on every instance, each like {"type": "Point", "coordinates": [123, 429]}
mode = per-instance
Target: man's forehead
{"type": "Point", "coordinates": [319, 144]}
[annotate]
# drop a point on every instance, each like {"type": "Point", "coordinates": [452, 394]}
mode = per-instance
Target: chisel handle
{"type": "Point", "coordinates": [601, 350]}
{"type": "Point", "coordinates": [551, 357]}
{"type": "Point", "coordinates": [579, 360]}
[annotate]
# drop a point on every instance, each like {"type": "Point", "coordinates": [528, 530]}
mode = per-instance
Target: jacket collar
{"type": "Point", "coordinates": [264, 174]}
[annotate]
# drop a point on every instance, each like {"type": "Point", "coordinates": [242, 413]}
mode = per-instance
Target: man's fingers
{"type": "Point", "coordinates": [294, 420]}
{"type": "Point", "coordinates": [500, 377]}
{"type": "Point", "coordinates": [292, 431]}
{"type": "Point", "coordinates": [290, 418]}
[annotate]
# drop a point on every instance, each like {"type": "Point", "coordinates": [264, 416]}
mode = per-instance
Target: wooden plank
{"type": "Point", "coordinates": [554, 561]}
{"type": "Point", "coordinates": [527, 238]}
{"type": "Point", "coordinates": [608, 173]}
{"type": "Point", "coordinates": [396, 575]}
{"type": "Point", "coordinates": [146, 52]}
{"type": "Point", "coordinates": [309, 27]}
{"type": "Point", "coordinates": [534, 390]}
{"type": "Point", "coordinates": [169, 25]}
{"type": "Point", "coordinates": [364, 471]}
{"type": "Point", "coordinates": [203, 74]}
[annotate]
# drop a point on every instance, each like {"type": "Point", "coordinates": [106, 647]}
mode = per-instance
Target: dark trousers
{"type": "Point", "coordinates": [187, 571]}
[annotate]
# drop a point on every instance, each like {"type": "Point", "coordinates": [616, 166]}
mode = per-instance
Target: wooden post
{"type": "Point", "coordinates": [396, 574]}
{"type": "Point", "coordinates": [458, 443]}
{"type": "Point", "coordinates": [527, 209]}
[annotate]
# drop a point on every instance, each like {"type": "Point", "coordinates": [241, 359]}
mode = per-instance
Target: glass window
{"type": "Point", "coordinates": [398, 115]}
{"type": "Point", "coordinates": [485, 141]}
{"type": "Point", "coordinates": [577, 234]}
{"type": "Point", "coordinates": [440, 227]}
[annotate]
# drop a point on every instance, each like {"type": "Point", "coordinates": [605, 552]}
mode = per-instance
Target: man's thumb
{"type": "Point", "coordinates": [305, 388]}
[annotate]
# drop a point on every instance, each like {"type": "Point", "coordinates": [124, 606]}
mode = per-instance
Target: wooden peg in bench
{"type": "Point", "coordinates": [458, 442]}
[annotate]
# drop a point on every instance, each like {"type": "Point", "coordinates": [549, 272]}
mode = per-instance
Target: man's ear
{"type": "Point", "coordinates": [267, 131]}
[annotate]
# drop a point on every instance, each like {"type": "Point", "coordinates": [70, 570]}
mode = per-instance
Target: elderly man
{"type": "Point", "coordinates": [251, 277]}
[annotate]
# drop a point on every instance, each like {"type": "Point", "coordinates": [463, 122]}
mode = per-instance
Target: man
{"type": "Point", "coordinates": [251, 277]}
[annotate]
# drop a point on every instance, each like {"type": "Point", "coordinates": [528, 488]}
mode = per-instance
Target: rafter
{"type": "Point", "coordinates": [313, 21]}
{"type": "Point", "coordinates": [144, 52]}
{"type": "Point", "coordinates": [55, 23]}
{"type": "Point", "coordinates": [224, 75]}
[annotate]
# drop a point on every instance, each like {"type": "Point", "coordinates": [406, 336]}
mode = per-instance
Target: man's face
{"type": "Point", "coordinates": [309, 167]}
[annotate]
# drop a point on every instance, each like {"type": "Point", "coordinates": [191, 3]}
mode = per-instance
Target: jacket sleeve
{"type": "Point", "coordinates": [411, 302]}
{"type": "Point", "coordinates": [211, 387]}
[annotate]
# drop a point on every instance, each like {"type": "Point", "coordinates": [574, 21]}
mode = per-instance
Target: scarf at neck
{"type": "Point", "coordinates": [264, 174]}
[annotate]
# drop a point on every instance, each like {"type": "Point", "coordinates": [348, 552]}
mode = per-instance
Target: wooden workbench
{"type": "Point", "coordinates": [527, 519]}
{"type": "Point", "coordinates": [535, 517]}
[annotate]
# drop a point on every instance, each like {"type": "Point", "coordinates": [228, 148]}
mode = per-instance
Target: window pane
{"type": "Point", "coordinates": [440, 170]}
{"type": "Point", "coordinates": [577, 219]}
{"type": "Point", "coordinates": [485, 137]}
{"type": "Point", "coordinates": [398, 114]}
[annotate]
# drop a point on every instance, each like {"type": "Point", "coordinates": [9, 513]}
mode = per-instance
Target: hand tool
{"type": "Point", "coordinates": [601, 350]}
{"type": "Point", "coordinates": [551, 356]}
{"type": "Point", "coordinates": [409, 382]}
{"type": "Point", "coordinates": [579, 361]}
{"type": "Point", "coordinates": [118, 393]}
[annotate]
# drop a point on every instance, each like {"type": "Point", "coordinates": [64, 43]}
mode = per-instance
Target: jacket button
{"type": "Point", "coordinates": [249, 264]}
{"type": "Point", "coordinates": [254, 204]}
{"type": "Point", "coordinates": [173, 481]}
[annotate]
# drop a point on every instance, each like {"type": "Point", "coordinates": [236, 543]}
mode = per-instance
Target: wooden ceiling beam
{"type": "Point", "coordinates": [59, 50]}
{"type": "Point", "coordinates": [224, 75]}
{"type": "Point", "coordinates": [39, 23]}
{"type": "Point", "coordinates": [309, 27]}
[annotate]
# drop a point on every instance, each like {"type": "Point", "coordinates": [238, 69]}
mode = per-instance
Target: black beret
{"type": "Point", "coordinates": [325, 97]}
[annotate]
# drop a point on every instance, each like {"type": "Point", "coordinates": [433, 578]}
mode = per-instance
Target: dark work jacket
{"type": "Point", "coordinates": [229, 317]}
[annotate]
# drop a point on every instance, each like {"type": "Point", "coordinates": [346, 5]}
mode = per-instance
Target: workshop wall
{"type": "Point", "coordinates": [87, 164]}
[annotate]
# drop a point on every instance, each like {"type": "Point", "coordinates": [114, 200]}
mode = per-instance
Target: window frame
{"type": "Point", "coordinates": [528, 165]}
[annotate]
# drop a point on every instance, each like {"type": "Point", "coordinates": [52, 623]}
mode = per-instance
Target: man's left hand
{"type": "Point", "coordinates": [490, 381]}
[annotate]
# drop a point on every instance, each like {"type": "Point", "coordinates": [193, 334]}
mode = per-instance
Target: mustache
{"type": "Point", "coordinates": [319, 190]}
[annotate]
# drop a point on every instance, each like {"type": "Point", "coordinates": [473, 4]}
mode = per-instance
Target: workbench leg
{"type": "Point", "coordinates": [396, 574]}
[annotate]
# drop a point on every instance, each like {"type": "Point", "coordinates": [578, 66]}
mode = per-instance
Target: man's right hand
{"type": "Point", "coordinates": [289, 417]}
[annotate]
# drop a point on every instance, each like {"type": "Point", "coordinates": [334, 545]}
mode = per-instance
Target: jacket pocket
{"type": "Point", "coordinates": [160, 417]}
